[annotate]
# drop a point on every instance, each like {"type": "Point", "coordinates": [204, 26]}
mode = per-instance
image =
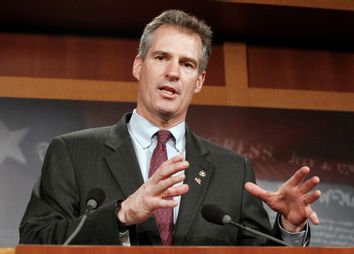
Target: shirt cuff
{"type": "Point", "coordinates": [295, 239]}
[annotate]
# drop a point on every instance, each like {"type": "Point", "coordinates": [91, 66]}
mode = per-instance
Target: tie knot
{"type": "Point", "coordinates": [163, 136]}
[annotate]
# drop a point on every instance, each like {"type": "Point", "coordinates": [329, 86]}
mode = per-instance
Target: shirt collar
{"type": "Point", "coordinates": [143, 131]}
{"type": "Point", "coordinates": [178, 131]}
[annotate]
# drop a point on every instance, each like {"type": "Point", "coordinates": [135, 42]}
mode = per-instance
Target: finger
{"type": "Point", "coordinates": [167, 170]}
{"type": "Point", "coordinates": [309, 185]}
{"type": "Point", "coordinates": [257, 191]}
{"type": "Point", "coordinates": [299, 176]}
{"type": "Point", "coordinates": [173, 160]}
{"type": "Point", "coordinates": [312, 216]}
{"type": "Point", "coordinates": [312, 197]}
{"type": "Point", "coordinates": [163, 185]}
{"type": "Point", "coordinates": [166, 203]}
{"type": "Point", "coordinates": [175, 191]}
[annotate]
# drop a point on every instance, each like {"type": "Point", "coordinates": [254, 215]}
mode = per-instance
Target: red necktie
{"type": "Point", "coordinates": [163, 216]}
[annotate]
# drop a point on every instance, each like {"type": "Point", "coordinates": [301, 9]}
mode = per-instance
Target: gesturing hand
{"type": "Point", "coordinates": [152, 195]}
{"type": "Point", "coordinates": [292, 200]}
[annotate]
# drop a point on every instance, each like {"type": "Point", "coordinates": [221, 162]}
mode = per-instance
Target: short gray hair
{"type": "Point", "coordinates": [181, 20]}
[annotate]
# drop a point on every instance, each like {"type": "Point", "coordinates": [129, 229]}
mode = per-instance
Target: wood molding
{"type": "Point", "coordinates": [67, 89]}
{"type": "Point", "coordinates": [90, 90]}
{"type": "Point", "coordinates": [7, 251]}
{"type": "Point", "coordinates": [323, 4]}
{"type": "Point", "coordinates": [236, 73]}
{"type": "Point", "coordinates": [235, 57]}
{"type": "Point", "coordinates": [298, 99]}
{"type": "Point", "coordinates": [87, 90]}
{"type": "Point", "coordinates": [57, 249]}
{"type": "Point", "coordinates": [211, 95]}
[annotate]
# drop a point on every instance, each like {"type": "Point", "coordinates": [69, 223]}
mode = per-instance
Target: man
{"type": "Point", "coordinates": [159, 202]}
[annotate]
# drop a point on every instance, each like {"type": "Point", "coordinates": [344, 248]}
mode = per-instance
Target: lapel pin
{"type": "Point", "coordinates": [198, 180]}
{"type": "Point", "coordinates": [202, 173]}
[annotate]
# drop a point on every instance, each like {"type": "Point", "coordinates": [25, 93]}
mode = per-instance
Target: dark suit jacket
{"type": "Point", "coordinates": [105, 158]}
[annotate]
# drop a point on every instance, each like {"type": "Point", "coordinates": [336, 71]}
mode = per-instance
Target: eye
{"type": "Point", "coordinates": [188, 65]}
{"type": "Point", "coordinates": [160, 57]}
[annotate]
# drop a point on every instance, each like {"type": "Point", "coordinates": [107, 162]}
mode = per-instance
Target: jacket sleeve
{"type": "Point", "coordinates": [253, 214]}
{"type": "Point", "coordinates": [56, 206]}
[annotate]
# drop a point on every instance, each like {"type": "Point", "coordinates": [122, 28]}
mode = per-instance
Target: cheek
{"type": "Point", "coordinates": [187, 98]}
{"type": "Point", "coordinates": [192, 87]}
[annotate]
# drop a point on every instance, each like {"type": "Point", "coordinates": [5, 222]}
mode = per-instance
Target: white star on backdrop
{"type": "Point", "coordinates": [9, 143]}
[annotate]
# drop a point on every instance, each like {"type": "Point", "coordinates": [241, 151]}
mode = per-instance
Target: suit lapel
{"type": "Point", "coordinates": [122, 161]}
{"type": "Point", "coordinates": [197, 177]}
{"type": "Point", "coordinates": [124, 166]}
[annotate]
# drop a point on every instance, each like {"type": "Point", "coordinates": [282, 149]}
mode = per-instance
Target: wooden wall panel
{"type": "Point", "coordinates": [75, 57]}
{"type": "Point", "coordinates": [301, 69]}
{"type": "Point", "coordinates": [66, 57]}
{"type": "Point", "coordinates": [84, 68]}
{"type": "Point", "coordinates": [216, 67]}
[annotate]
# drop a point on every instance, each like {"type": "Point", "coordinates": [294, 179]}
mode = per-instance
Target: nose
{"type": "Point", "coordinates": [172, 71]}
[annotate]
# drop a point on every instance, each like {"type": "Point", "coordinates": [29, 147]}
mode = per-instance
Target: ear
{"type": "Point", "coordinates": [137, 67]}
{"type": "Point", "coordinates": [200, 82]}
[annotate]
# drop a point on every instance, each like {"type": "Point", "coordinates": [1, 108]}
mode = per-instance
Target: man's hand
{"type": "Point", "coordinates": [153, 194]}
{"type": "Point", "coordinates": [292, 200]}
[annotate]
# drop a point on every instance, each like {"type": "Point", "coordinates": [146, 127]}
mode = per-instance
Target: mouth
{"type": "Point", "coordinates": [168, 90]}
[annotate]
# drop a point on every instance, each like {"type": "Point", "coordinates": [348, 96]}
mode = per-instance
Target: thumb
{"type": "Point", "coordinates": [257, 191]}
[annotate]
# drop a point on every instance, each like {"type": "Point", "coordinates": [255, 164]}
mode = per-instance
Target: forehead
{"type": "Point", "coordinates": [176, 41]}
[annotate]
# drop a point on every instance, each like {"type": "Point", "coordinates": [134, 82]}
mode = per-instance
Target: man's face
{"type": "Point", "coordinates": [168, 77]}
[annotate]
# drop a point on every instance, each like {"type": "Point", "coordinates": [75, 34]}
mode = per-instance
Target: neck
{"type": "Point", "coordinates": [161, 121]}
